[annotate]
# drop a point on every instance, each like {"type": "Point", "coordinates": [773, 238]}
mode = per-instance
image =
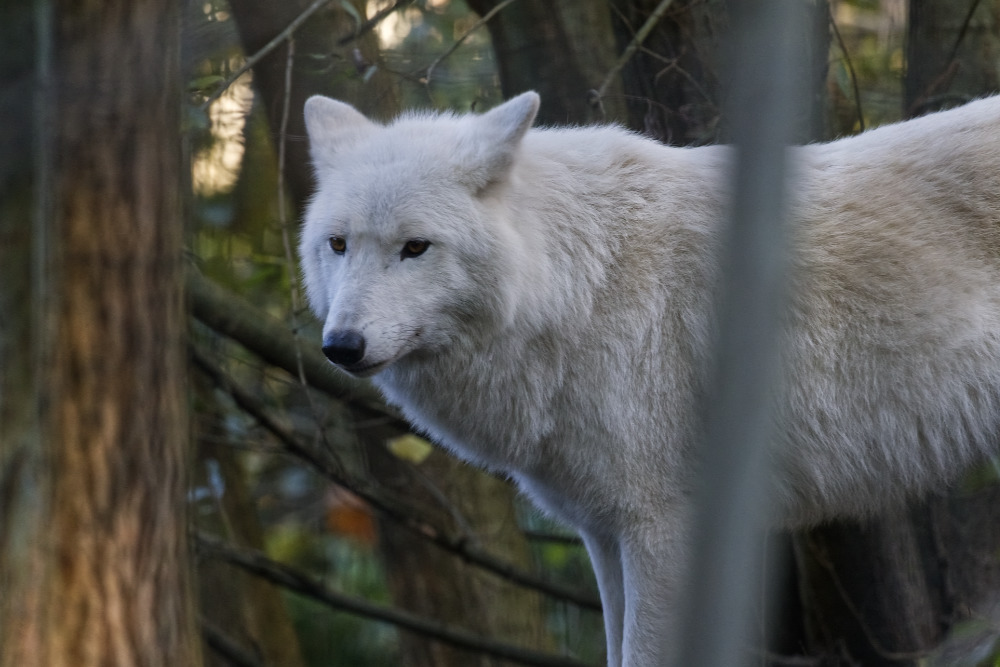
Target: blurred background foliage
{"type": "Point", "coordinates": [249, 178]}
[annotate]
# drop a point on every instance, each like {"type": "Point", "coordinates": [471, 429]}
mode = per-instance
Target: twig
{"type": "Point", "coordinates": [373, 21]}
{"type": "Point", "coordinates": [454, 543]}
{"type": "Point", "coordinates": [270, 46]}
{"type": "Point", "coordinates": [850, 69]}
{"type": "Point", "coordinates": [300, 582]}
{"type": "Point", "coordinates": [640, 37]}
{"type": "Point", "coordinates": [483, 20]}
{"type": "Point", "coordinates": [824, 561]}
{"type": "Point", "coordinates": [930, 97]}
{"type": "Point", "coordinates": [282, 213]}
{"type": "Point", "coordinates": [962, 31]}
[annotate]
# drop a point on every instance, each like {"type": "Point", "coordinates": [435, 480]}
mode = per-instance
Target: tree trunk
{"type": "Point", "coordinates": [109, 581]}
{"type": "Point", "coordinates": [673, 83]}
{"type": "Point", "coordinates": [20, 447]}
{"type": "Point", "coordinates": [562, 50]}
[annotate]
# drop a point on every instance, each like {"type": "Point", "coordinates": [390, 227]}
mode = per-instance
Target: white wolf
{"type": "Point", "coordinates": [540, 302]}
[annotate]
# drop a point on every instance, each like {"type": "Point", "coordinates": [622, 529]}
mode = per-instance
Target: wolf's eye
{"type": "Point", "coordinates": [414, 248]}
{"type": "Point", "coordinates": [338, 244]}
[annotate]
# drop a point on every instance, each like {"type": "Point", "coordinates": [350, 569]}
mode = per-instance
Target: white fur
{"type": "Point", "coordinates": [558, 326]}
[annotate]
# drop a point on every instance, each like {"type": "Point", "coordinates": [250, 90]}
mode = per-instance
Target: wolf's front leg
{"type": "Point", "coordinates": [605, 557]}
{"type": "Point", "coordinates": [652, 566]}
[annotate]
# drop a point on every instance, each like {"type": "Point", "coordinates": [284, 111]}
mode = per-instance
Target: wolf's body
{"type": "Point", "coordinates": [558, 325]}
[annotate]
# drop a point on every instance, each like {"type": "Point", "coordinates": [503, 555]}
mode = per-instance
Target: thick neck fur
{"type": "Point", "coordinates": [601, 239]}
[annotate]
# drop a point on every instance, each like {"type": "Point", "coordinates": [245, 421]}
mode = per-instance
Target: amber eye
{"type": "Point", "coordinates": [338, 244]}
{"type": "Point", "coordinates": [414, 248]}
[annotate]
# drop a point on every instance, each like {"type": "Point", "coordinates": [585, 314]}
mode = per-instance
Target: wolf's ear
{"type": "Point", "coordinates": [331, 126]}
{"type": "Point", "coordinates": [498, 133]}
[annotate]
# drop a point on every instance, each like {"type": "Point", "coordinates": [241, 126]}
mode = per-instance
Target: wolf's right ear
{"type": "Point", "coordinates": [497, 134]}
{"type": "Point", "coordinates": [331, 125]}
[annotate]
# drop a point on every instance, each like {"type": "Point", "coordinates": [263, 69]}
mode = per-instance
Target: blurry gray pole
{"type": "Point", "coordinates": [764, 98]}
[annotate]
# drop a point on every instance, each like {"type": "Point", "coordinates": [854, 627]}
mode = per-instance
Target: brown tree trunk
{"type": "Point", "coordinates": [20, 455]}
{"type": "Point", "coordinates": [674, 82]}
{"type": "Point", "coordinates": [110, 584]}
{"type": "Point", "coordinates": [561, 49]}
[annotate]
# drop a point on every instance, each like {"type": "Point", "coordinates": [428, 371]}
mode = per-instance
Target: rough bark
{"type": "Point", "coordinates": [562, 50]}
{"type": "Point", "coordinates": [20, 452]}
{"type": "Point", "coordinates": [109, 583]}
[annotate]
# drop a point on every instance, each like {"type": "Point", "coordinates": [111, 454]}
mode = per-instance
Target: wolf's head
{"type": "Point", "coordinates": [404, 241]}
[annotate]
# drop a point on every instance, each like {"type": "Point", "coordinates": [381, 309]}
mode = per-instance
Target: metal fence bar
{"type": "Point", "coordinates": [764, 98]}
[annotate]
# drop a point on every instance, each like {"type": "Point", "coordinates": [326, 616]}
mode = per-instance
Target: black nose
{"type": "Point", "coordinates": [344, 348]}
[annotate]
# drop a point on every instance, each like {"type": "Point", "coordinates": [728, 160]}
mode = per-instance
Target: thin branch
{"type": "Point", "coordinates": [458, 544]}
{"type": "Point", "coordinates": [876, 645]}
{"type": "Point", "coordinates": [630, 50]}
{"type": "Point", "coordinates": [964, 29]}
{"type": "Point", "coordinates": [300, 582]}
{"type": "Point", "coordinates": [227, 647]}
{"type": "Point", "coordinates": [234, 317]}
{"type": "Point", "coordinates": [373, 21]}
{"type": "Point", "coordinates": [287, 33]}
{"type": "Point", "coordinates": [483, 20]}
{"type": "Point", "coordinates": [270, 46]}
{"type": "Point", "coordinates": [930, 98]}
{"type": "Point", "coordinates": [850, 69]}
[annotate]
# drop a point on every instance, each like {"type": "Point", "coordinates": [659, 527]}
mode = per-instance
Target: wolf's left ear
{"type": "Point", "coordinates": [498, 133]}
{"type": "Point", "coordinates": [331, 125]}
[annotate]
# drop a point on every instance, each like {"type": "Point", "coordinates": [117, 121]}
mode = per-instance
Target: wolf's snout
{"type": "Point", "coordinates": [344, 348]}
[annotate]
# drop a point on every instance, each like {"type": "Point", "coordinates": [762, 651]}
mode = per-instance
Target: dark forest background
{"type": "Point", "coordinates": [184, 479]}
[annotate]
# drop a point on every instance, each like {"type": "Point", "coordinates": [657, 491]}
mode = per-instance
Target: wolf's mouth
{"type": "Point", "coordinates": [361, 369]}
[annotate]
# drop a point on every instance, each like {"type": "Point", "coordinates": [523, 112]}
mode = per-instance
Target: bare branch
{"type": "Point", "coordinates": [287, 33]}
{"type": "Point", "coordinates": [270, 46]}
{"type": "Point", "coordinates": [962, 32]}
{"type": "Point", "coordinates": [456, 543]}
{"type": "Point", "coordinates": [300, 582]}
{"type": "Point", "coordinates": [227, 647]}
{"type": "Point", "coordinates": [269, 338]}
{"type": "Point", "coordinates": [874, 642]}
{"type": "Point", "coordinates": [483, 20]}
